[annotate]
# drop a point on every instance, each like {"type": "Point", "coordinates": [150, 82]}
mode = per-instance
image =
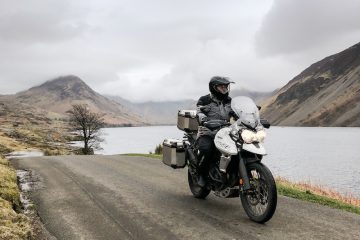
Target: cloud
{"type": "Point", "coordinates": [126, 48]}
{"type": "Point", "coordinates": [38, 21]}
{"type": "Point", "coordinates": [167, 50]}
{"type": "Point", "coordinates": [293, 26]}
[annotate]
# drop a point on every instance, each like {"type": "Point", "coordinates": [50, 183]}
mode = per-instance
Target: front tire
{"type": "Point", "coordinates": [197, 191]}
{"type": "Point", "coordinates": [260, 201]}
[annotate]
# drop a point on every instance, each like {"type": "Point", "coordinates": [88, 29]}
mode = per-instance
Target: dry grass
{"type": "Point", "coordinates": [23, 131]}
{"type": "Point", "coordinates": [4, 162]}
{"type": "Point", "coordinates": [8, 185]}
{"type": "Point", "coordinates": [321, 191]}
{"type": "Point", "coordinates": [26, 138]}
{"type": "Point", "coordinates": [55, 152]}
{"type": "Point", "coordinates": [9, 144]}
{"type": "Point", "coordinates": [12, 225]}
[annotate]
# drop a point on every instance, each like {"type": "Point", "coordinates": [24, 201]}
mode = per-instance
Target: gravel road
{"type": "Point", "coordinates": [120, 197]}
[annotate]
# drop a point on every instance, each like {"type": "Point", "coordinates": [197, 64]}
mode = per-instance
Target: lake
{"type": "Point", "coordinates": [329, 157]}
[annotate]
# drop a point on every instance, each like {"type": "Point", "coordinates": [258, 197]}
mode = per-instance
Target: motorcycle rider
{"type": "Point", "coordinates": [214, 106]}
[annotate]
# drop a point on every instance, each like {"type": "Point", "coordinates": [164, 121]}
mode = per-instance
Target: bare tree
{"type": "Point", "coordinates": [88, 125]}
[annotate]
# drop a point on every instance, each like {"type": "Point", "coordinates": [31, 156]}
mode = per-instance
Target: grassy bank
{"type": "Point", "coordinates": [19, 132]}
{"type": "Point", "coordinates": [29, 138]}
{"type": "Point", "coordinates": [13, 225]}
{"type": "Point", "coordinates": [25, 131]}
{"type": "Point", "coordinates": [318, 194]}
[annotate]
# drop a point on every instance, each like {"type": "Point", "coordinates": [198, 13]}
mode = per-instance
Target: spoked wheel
{"type": "Point", "coordinates": [197, 191]}
{"type": "Point", "coordinates": [260, 201]}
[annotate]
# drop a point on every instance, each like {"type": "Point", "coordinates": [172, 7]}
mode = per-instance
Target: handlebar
{"type": "Point", "coordinates": [215, 124]}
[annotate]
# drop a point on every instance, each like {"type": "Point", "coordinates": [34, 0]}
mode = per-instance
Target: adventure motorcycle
{"type": "Point", "coordinates": [236, 168]}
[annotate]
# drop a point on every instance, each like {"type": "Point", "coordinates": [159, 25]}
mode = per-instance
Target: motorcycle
{"type": "Point", "coordinates": [236, 169]}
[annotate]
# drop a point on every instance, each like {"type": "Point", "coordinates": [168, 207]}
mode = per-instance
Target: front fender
{"type": "Point", "coordinates": [256, 148]}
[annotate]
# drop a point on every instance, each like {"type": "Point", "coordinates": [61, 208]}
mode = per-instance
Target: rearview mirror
{"type": "Point", "coordinates": [265, 123]}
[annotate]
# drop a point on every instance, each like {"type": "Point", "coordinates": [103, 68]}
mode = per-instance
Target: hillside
{"type": "Point", "coordinates": [29, 128]}
{"type": "Point", "coordinates": [57, 96]}
{"type": "Point", "coordinates": [325, 94]}
{"type": "Point", "coordinates": [157, 112]}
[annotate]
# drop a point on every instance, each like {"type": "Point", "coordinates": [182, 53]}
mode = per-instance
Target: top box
{"type": "Point", "coordinates": [187, 120]}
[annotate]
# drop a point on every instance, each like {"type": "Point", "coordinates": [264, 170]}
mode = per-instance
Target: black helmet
{"type": "Point", "coordinates": [215, 81]}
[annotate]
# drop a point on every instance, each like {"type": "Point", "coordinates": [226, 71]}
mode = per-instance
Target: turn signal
{"type": "Point", "coordinates": [241, 181]}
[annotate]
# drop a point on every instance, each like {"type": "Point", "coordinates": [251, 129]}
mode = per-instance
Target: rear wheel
{"type": "Point", "coordinates": [197, 191]}
{"type": "Point", "coordinates": [260, 201]}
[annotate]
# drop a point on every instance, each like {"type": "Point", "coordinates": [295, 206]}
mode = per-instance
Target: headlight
{"type": "Point", "coordinates": [261, 135]}
{"type": "Point", "coordinates": [250, 136]}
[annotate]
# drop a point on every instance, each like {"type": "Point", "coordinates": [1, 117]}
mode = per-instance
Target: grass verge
{"type": "Point", "coordinates": [13, 225]}
{"type": "Point", "coordinates": [318, 194]}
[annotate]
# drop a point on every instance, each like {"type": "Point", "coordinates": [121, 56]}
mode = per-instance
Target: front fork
{"type": "Point", "coordinates": [244, 178]}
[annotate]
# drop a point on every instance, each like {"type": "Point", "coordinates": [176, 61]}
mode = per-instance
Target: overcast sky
{"type": "Point", "coordinates": [169, 49]}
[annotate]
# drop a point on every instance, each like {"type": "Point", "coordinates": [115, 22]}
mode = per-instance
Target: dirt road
{"type": "Point", "coordinates": [119, 197]}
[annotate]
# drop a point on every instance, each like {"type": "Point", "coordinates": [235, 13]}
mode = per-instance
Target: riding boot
{"type": "Point", "coordinates": [205, 147]}
{"type": "Point", "coordinates": [203, 171]}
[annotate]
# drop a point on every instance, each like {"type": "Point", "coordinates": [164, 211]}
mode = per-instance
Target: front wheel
{"type": "Point", "coordinates": [260, 201]}
{"type": "Point", "coordinates": [197, 191]}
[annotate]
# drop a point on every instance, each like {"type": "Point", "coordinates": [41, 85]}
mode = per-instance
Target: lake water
{"type": "Point", "coordinates": [329, 157]}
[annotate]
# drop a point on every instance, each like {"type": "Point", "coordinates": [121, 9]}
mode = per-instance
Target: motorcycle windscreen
{"type": "Point", "coordinates": [247, 111]}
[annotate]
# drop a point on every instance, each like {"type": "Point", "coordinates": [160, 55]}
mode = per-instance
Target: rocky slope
{"type": "Point", "coordinates": [325, 94]}
{"type": "Point", "coordinates": [56, 96]}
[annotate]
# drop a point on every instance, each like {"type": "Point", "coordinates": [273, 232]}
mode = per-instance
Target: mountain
{"type": "Point", "coordinates": [157, 112]}
{"type": "Point", "coordinates": [256, 96]}
{"type": "Point", "coordinates": [59, 94]}
{"type": "Point", "coordinates": [325, 94]}
{"type": "Point", "coordinates": [165, 112]}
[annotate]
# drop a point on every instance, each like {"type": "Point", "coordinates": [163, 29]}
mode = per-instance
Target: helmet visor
{"type": "Point", "coordinates": [222, 88]}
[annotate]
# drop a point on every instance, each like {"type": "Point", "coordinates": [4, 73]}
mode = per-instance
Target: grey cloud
{"type": "Point", "coordinates": [38, 21]}
{"type": "Point", "coordinates": [141, 50]}
{"type": "Point", "coordinates": [292, 26]}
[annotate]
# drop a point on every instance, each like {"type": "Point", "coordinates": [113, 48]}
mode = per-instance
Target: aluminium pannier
{"type": "Point", "coordinates": [174, 153]}
{"type": "Point", "coordinates": [187, 120]}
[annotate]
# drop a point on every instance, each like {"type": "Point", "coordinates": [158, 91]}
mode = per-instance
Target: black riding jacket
{"type": "Point", "coordinates": [211, 108]}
